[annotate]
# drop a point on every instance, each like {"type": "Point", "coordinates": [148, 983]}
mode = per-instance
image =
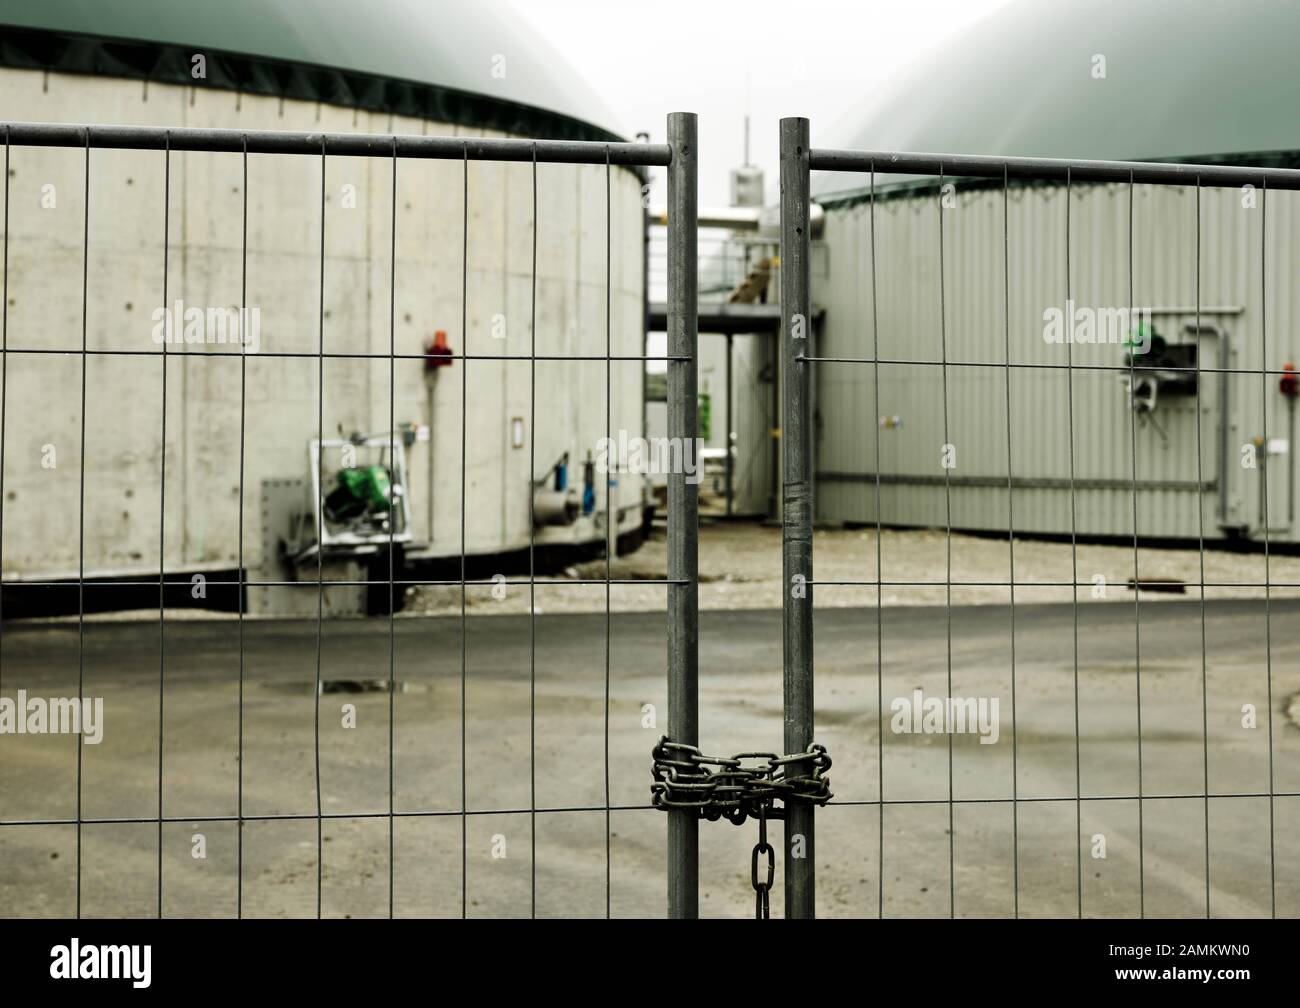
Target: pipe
{"type": "Point", "coordinates": [774, 427]}
{"type": "Point", "coordinates": [432, 442]}
{"type": "Point", "coordinates": [730, 393]}
{"type": "Point", "coordinates": [1290, 462]}
{"type": "Point", "coordinates": [760, 220]}
{"type": "Point", "coordinates": [645, 330]}
{"type": "Point", "coordinates": [734, 218]}
{"type": "Point", "coordinates": [556, 507]}
{"type": "Point", "coordinates": [1225, 423]}
{"type": "Point", "coordinates": [1225, 362]}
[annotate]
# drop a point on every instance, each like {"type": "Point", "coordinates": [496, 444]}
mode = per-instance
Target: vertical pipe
{"type": "Point", "coordinates": [773, 350]}
{"type": "Point", "coordinates": [645, 322]}
{"type": "Point", "coordinates": [433, 441]}
{"type": "Point", "coordinates": [1224, 361]}
{"type": "Point", "coordinates": [683, 502]}
{"type": "Point", "coordinates": [731, 461]}
{"type": "Point", "coordinates": [1290, 464]}
{"type": "Point", "coordinates": [796, 517]}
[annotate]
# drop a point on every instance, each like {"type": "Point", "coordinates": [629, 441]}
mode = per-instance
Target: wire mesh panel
{"type": "Point", "coordinates": [229, 773]}
{"type": "Point", "coordinates": [1077, 359]}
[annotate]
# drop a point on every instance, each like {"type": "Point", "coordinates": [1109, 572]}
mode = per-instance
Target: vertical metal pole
{"type": "Point", "coordinates": [796, 518]}
{"type": "Point", "coordinates": [731, 460]}
{"type": "Point", "coordinates": [645, 320]}
{"type": "Point", "coordinates": [773, 350]}
{"type": "Point", "coordinates": [683, 502]}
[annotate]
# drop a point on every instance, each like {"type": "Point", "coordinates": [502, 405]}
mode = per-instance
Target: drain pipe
{"type": "Point", "coordinates": [1291, 461]}
{"type": "Point", "coordinates": [428, 386]}
{"type": "Point", "coordinates": [437, 355]}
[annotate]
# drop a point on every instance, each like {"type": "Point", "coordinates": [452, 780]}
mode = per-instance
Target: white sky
{"type": "Point", "coordinates": [722, 59]}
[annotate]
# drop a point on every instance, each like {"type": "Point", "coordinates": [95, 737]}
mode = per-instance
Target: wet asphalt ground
{"type": "Point", "coordinates": [537, 726]}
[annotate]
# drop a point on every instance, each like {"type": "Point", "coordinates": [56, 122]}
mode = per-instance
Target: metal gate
{"type": "Point", "coordinates": [1217, 865]}
{"type": "Point", "coordinates": [688, 784]}
{"type": "Point", "coordinates": [66, 820]}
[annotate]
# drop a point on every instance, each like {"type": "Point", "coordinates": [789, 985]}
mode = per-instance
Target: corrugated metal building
{"type": "Point", "coordinates": [1154, 91]}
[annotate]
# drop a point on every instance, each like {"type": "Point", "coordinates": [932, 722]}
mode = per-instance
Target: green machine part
{"type": "Point", "coordinates": [358, 490]}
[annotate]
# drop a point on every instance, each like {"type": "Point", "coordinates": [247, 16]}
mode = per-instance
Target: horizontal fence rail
{"type": "Point", "coordinates": [231, 141]}
{"type": "Point", "coordinates": [1024, 169]}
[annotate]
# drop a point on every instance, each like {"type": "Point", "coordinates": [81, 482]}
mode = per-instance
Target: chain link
{"type": "Point", "coordinates": [762, 887]}
{"type": "Point", "coordinates": [740, 783]}
{"type": "Point", "coordinates": [743, 786]}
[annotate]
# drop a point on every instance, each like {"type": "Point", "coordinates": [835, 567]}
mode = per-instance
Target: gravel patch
{"type": "Point", "coordinates": [740, 568]}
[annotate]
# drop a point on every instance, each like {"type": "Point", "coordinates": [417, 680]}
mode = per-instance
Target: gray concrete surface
{"type": "Point", "coordinates": [740, 709]}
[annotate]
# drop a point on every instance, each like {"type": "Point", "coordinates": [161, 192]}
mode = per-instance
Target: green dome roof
{"type": "Point", "coordinates": [418, 57]}
{"type": "Point", "coordinates": [1184, 80]}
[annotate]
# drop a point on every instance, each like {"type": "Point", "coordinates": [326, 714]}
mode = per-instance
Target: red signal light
{"type": "Point", "coordinates": [1289, 383]}
{"type": "Point", "coordinates": [437, 354]}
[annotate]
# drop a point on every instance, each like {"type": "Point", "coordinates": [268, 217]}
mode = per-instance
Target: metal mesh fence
{"type": "Point", "coordinates": [957, 858]}
{"type": "Point", "coordinates": [314, 651]}
{"type": "Point", "coordinates": [1221, 844]}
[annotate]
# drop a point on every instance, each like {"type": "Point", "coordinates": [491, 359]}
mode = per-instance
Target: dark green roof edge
{"type": "Point", "coordinates": [168, 63]}
{"type": "Point", "coordinates": [849, 198]}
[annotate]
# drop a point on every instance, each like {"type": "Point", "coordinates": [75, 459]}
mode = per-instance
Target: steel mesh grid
{"type": "Point", "coordinates": [392, 148]}
{"type": "Point", "coordinates": [1003, 170]}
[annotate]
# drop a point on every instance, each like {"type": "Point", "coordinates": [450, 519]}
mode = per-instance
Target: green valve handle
{"type": "Point", "coordinates": [358, 490]}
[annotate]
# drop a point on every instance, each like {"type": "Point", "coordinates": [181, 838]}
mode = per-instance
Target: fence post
{"type": "Point", "coordinates": [797, 492]}
{"type": "Point", "coordinates": [683, 501]}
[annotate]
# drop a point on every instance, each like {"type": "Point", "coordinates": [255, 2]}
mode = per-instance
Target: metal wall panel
{"type": "Point", "coordinates": [963, 321]}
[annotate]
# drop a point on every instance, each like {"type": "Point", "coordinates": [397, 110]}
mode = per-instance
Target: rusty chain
{"type": "Point", "coordinates": [762, 849]}
{"type": "Point", "coordinates": [746, 785]}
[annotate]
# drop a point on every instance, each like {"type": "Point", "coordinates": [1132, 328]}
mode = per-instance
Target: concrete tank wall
{"type": "Point", "coordinates": [123, 415]}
